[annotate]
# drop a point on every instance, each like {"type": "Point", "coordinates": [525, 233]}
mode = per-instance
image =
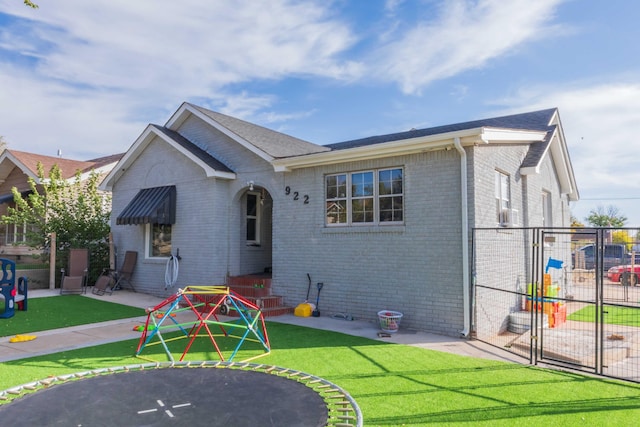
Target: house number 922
{"type": "Point", "coordinates": [296, 195]}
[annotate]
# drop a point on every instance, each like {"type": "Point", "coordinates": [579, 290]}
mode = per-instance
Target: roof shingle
{"type": "Point", "coordinates": [537, 120]}
{"type": "Point", "coordinates": [68, 167]}
{"type": "Point", "coordinates": [275, 144]}
{"type": "Point", "coordinates": [194, 149]}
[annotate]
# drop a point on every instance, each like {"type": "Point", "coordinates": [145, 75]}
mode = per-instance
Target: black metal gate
{"type": "Point", "coordinates": [560, 297]}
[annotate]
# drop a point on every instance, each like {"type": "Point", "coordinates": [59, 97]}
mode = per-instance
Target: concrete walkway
{"type": "Point", "coordinates": [118, 330]}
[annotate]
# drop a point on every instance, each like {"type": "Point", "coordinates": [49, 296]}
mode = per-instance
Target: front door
{"type": "Point", "coordinates": [256, 207]}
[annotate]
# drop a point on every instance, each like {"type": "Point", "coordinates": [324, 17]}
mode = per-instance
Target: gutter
{"type": "Point", "coordinates": [466, 294]}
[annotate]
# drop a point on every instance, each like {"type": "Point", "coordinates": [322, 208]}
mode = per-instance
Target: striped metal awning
{"type": "Point", "coordinates": [155, 205]}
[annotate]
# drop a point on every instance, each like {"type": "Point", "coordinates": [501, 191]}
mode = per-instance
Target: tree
{"type": "Point", "coordinates": [575, 223]}
{"type": "Point", "coordinates": [74, 210]}
{"type": "Point", "coordinates": [30, 4]}
{"type": "Point", "coordinates": [623, 237]}
{"type": "Point", "coordinates": [609, 217]}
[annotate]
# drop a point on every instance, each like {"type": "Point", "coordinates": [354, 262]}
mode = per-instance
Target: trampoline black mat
{"type": "Point", "coordinates": [171, 397]}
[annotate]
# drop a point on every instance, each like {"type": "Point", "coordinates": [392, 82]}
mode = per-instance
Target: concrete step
{"type": "Point", "coordinates": [250, 280]}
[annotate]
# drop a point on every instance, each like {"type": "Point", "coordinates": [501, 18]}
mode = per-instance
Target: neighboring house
{"type": "Point", "coordinates": [16, 167]}
{"type": "Point", "coordinates": [384, 222]}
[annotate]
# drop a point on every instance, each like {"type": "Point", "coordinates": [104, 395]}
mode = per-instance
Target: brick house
{"type": "Point", "coordinates": [384, 222]}
{"type": "Point", "coordinates": [16, 167]}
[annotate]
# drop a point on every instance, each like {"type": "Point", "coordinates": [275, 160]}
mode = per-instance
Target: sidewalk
{"type": "Point", "coordinates": [57, 340]}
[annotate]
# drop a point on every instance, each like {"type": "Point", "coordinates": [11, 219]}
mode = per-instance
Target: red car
{"type": "Point", "coordinates": [624, 275]}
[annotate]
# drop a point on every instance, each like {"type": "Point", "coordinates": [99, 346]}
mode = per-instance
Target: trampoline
{"type": "Point", "coordinates": [181, 393]}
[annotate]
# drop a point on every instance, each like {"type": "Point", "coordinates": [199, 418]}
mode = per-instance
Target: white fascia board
{"type": "Point", "coordinates": [208, 170]}
{"type": "Point", "coordinates": [180, 115]}
{"type": "Point", "coordinates": [568, 179]}
{"type": "Point", "coordinates": [561, 160]}
{"type": "Point", "coordinates": [185, 109]}
{"type": "Point", "coordinates": [9, 156]}
{"type": "Point", "coordinates": [376, 151]}
{"type": "Point", "coordinates": [532, 170]}
{"type": "Point", "coordinates": [406, 146]}
{"type": "Point", "coordinates": [561, 163]}
{"type": "Point", "coordinates": [102, 169]}
{"type": "Point", "coordinates": [141, 143]}
{"type": "Point", "coordinates": [511, 135]}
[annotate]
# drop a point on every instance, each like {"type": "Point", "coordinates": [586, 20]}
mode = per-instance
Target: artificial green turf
{"type": "Point", "coordinates": [613, 315]}
{"type": "Point", "coordinates": [63, 311]}
{"type": "Point", "coordinates": [394, 385]}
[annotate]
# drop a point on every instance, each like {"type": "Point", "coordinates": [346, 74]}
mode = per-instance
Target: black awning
{"type": "Point", "coordinates": [151, 206]}
{"type": "Point", "coordinates": [6, 198]}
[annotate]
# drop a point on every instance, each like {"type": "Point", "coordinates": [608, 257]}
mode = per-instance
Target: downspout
{"type": "Point", "coordinates": [466, 295]}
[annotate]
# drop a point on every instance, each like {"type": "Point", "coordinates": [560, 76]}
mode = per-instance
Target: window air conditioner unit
{"type": "Point", "coordinates": [515, 218]}
{"type": "Point", "coordinates": [509, 218]}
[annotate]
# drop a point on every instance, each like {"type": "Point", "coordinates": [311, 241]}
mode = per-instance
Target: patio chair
{"type": "Point", "coordinates": [126, 270]}
{"type": "Point", "coordinates": [74, 280]}
{"type": "Point", "coordinates": [11, 296]}
{"type": "Point", "coordinates": [105, 283]}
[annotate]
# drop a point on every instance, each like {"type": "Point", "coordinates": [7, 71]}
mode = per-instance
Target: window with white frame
{"type": "Point", "coordinates": [503, 199]}
{"type": "Point", "coordinates": [158, 237]}
{"type": "Point", "coordinates": [17, 233]}
{"type": "Point", "coordinates": [366, 197]}
{"type": "Point", "coordinates": [252, 216]}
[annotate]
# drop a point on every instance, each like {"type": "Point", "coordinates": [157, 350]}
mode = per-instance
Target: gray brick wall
{"type": "Point", "coordinates": [198, 232]}
{"type": "Point", "coordinates": [526, 191]}
{"type": "Point", "coordinates": [415, 268]}
{"type": "Point", "coordinates": [503, 257]}
{"type": "Point", "coordinates": [209, 228]}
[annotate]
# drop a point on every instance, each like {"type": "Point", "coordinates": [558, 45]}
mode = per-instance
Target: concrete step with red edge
{"type": "Point", "coordinates": [270, 306]}
{"type": "Point", "coordinates": [267, 312]}
{"type": "Point", "coordinates": [255, 288]}
{"type": "Point", "coordinates": [251, 291]}
{"type": "Point", "coordinates": [250, 280]}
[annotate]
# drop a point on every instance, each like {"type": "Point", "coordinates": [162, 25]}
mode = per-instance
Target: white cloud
{"type": "Point", "coordinates": [104, 63]}
{"type": "Point", "coordinates": [390, 6]}
{"type": "Point", "coordinates": [87, 76]}
{"type": "Point", "coordinates": [465, 36]}
{"type": "Point", "coordinates": [139, 44]}
{"type": "Point", "coordinates": [42, 117]}
{"type": "Point", "coordinates": [600, 124]}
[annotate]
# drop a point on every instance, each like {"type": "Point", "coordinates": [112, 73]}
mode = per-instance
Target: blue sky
{"type": "Point", "coordinates": [85, 77]}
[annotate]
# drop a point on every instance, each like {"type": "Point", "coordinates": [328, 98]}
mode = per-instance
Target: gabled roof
{"type": "Point", "coordinates": [211, 166]}
{"type": "Point", "coordinates": [194, 149]}
{"type": "Point", "coordinates": [541, 130]}
{"type": "Point", "coordinates": [537, 150]}
{"type": "Point", "coordinates": [266, 143]}
{"type": "Point", "coordinates": [28, 164]}
{"type": "Point", "coordinates": [106, 160]}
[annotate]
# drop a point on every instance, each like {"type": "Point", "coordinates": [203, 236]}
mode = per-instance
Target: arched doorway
{"type": "Point", "coordinates": [255, 237]}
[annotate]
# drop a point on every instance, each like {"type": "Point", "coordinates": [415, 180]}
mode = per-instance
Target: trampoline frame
{"type": "Point", "coordinates": [342, 409]}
